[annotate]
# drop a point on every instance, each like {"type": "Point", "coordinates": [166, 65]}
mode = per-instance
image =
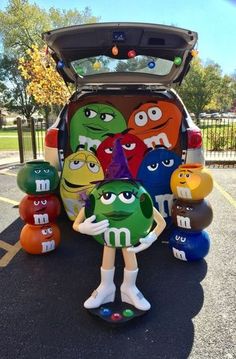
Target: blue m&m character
{"type": "Point", "coordinates": [154, 173]}
{"type": "Point", "coordinates": [189, 246]}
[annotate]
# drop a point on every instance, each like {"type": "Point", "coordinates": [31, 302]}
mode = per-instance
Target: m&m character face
{"type": "Point", "coordinates": [156, 123]}
{"type": "Point", "coordinates": [188, 245]}
{"type": "Point", "coordinates": [133, 147]}
{"type": "Point", "coordinates": [80, 170]}
{"type": "Point", "coordinates": [193, 215]}
{"type": "Point", "coordinates": [40, 239]}
{"type": "Point", "coordinates": [127, 206]}
{"type": "Point", "coordinates": [37, 177]}
{"type": "Point", "coordinates": [39, 210]}
{"type": "Point", "coordinates": [191, 181]}
{"type": "Point", "coordinates": [92, 123]}
{"type": "Point", "coordinates": [156, 169]}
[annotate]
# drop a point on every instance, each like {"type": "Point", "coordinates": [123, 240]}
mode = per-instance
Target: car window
{"type": "Point", "coordinates": [105, 64]}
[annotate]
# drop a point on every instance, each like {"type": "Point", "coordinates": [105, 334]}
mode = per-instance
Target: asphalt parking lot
{"type": "Point", "coordinates": [193, 312]}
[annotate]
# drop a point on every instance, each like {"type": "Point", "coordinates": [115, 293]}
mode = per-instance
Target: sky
{"type": "Point", "coordinates": [213, 20]}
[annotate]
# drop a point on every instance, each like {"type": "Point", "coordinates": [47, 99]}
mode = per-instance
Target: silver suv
{"type": "Point", "coordinates": [123, 75]}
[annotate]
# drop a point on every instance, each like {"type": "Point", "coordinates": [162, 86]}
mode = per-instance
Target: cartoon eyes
{"type": "Point", "coordinates": [43, 202]}
{"type": "Point", "coordinates": [126, 197]}
{"type": "Point", "coordinates": [90, 113]}
{"type": "Point", "coordinates": [93, 167]}
{"type": "Point", "coordinates": [153, 167]}
{"type": "Point", "coordinates": [108, 197]}
{"type": "Point", "coordinates": [39, 171]}
{"type": "Point", "coordinates": [168, 163]}
{"type": "Point", "coordinates": [108, 150]}
{"type": "Point", "coordinates": [154, 113]}
{"type": "Point", "coordinates": [127, 146]}
{"type": "Point", "coordinates": [46, 231]}
{"type": "Point", "coordinates": [75, 165]}
{"type": "Point", "coordinates": [181, 239]}
{"type": "Point", "coordinates": [141, 118]}
{"type": "Point", "coordinates": [106, 117]}
{"type": "Point", "coordinates": [181, 175]}
{"type": "Point", "coordinates": [181, 207]}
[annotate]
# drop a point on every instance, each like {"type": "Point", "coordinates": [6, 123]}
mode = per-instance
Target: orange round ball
{"type": "Point", "coordinates": [40, 239]}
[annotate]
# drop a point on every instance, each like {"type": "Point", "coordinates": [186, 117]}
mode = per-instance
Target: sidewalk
{"type": "Point", "coordinates": [9, 158]}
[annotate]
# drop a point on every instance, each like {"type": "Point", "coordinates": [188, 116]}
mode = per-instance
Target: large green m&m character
{"type": "Point", "coordinates": [119, 213]}
{"type": "Point", "coordinates": [37, 177]}
{"type": "Point", "coordinates": [127, 206]}
{"type": "Point", "coordinates": [91, 124]}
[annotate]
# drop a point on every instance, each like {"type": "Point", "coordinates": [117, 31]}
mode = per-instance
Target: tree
{"type": "Point", "coordinates": [223, 100]}
{"type": "Point", "coordinates": [14, 94]}
{"type": "Point", "coordinates": [22, 24]}
{"type": "Point", "coordinates": [44, 83]}
{"type": "Point", "coordinates": [200, 86]}
{"type": "Point", "coordinates": [62, 18]}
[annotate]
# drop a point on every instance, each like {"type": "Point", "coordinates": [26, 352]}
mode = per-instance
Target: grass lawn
{"type": "Point", "coordinates": [219, 137]}
{"type": "Point", "coordinates": [9, 139]}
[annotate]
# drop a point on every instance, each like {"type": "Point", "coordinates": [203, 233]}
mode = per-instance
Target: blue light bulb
{"type": "Point", "coordinates": [60, 64]}
{"type": "Point", "coordinates": [151, 64]}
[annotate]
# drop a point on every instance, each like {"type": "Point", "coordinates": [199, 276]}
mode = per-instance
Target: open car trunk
{"type": "Point", "coordinates": [103, 53]}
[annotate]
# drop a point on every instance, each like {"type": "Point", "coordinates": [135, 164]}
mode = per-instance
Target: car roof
{"type": "Point", "coordinates": [93, 41]}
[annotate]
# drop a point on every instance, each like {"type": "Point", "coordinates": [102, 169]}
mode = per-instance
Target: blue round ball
{"type": "Point", "coordinates": [189, 246]}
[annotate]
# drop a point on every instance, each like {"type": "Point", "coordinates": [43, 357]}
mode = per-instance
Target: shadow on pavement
{"type": "Point", "coordinates": [41, 303]}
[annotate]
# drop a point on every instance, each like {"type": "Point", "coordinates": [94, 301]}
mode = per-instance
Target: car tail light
{"type": "Point", "coordinates": [194, 138]}
{"type": "Point", "coordinates": [51, 138]}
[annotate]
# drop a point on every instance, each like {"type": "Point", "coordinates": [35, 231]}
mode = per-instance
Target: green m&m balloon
{"type": "Point", "coordinates": [127, 206]}
{"type": "Point", "coordinates": [37, 177]}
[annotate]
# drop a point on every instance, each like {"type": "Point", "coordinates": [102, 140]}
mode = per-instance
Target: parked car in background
{"type": "Point", "coordinates": [215, 115]}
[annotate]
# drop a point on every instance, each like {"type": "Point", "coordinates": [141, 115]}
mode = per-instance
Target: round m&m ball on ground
{"type": "Point", "coordinates": [191, 215]}
{"type": "Point", "coordinates": [191, 181]}
{"type": "Point", "coordinates": [39, 210]}
{"type": "Point", "coordinates": [37, 177]}
{"type": "Point", "coordinates": [189, 246]}
{"type": "Point", "coordinates": [40, 239]}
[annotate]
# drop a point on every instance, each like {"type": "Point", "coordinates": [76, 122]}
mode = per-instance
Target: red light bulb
{"type": "Point", "coordinates": [131, 54]}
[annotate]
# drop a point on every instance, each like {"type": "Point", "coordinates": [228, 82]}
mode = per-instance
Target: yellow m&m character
{"type": "Point", "coordinates": [191, 182]}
